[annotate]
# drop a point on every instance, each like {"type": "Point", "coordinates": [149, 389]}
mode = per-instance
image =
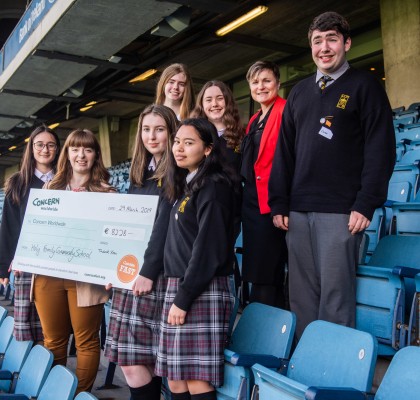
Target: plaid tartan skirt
{"type": "Point", "coordinates": [194, 350]}
{"type": "Point", "coordinates": [133, 330]}
{"type": "Point", "coordinates": [27, 323]}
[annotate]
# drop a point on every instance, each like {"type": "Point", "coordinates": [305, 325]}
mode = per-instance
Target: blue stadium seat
{"type": "Point", "coordinates": [398, 110]}
{"type": "Point", "coordinates": [385, 287]}
{"type": "Point", "coordinates": [3, 314]}
{"type": "Point", "coordinates": [375, 231]}
{"type": "Point", "coordinates": [263, 334]}
{"type": "Point", "coordinates": [60, 384]}
{"type": "Point", "coordinates": [33, 374]}
{"type": "Point", "coordinates": [6, 333]}
{"type": "Point", "coordinates": [399, 151]}
{"type": "Point", "coordinates": [401, 381]}
{"type": "Point", "coordinates": [380, 300]}
{"type": "Point", "coordinates": [406, 176]}
{"type": "Point", "coordinates": [412, 155]}
{"type": "Point", "coordinates": [413, 338]}
{"type": "Point", "coordinates": [13, 360]}
{"type": "Point", "coordinates": [85, 396]}
{"type": "Point", "coordinates": [327, 355]}
{"type": "Point", "coordinates": [406, 218]}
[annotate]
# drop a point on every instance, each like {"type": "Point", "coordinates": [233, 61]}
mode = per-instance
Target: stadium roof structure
{"type": "Point", "coordinates": [65, 55]}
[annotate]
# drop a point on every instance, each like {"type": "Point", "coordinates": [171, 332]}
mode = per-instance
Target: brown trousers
{"type": "Point", "coordinates": [56, 302]}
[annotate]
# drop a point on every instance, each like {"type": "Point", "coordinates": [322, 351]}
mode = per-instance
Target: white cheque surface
{"type": "Point", "coordinates": [91, 237]}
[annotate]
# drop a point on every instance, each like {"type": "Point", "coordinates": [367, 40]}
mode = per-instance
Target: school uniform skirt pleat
{"type": "Point", "coordinates": [27, 323]}
{"type": "Point", "coordinates": [194, 350]}
{"type": "Point", "coordinates": [133, 331]}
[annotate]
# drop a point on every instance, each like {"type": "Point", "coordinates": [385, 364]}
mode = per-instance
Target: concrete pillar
{"type": "Point", "coordinates": [400, 21]}
{"type": "Point", "coordinates": [132, 133]}
{"type": "Point", "coordinates": [104, 132]}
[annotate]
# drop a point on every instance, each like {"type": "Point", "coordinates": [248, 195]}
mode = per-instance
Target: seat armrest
{"type": "Point", "coordinates": [5, 375]}
{"type": "Point", "coordinates": [326, 393]}
{"type": "Point", "coordinates": [248, 360]}
{"type": "Point", "coordinates": [405, 272]}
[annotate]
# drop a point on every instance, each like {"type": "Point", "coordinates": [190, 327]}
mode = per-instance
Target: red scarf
{"type": "Point", "coordinates": [262, 166]}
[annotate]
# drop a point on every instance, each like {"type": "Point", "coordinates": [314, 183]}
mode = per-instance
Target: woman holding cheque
{"type": "Point", "coordinates": [64, 305]}
{"type": "Point", "coordinates": [133, 331]}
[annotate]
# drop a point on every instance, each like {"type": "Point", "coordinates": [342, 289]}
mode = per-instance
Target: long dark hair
{"type": "Point", "coordinates": [141, 156]}
{"type": "Point", "coordinates": [99, 176]}
{"type": "Point", "coordinates": [18, 184]}
{"type": "Point", "coordinates": [234, 129]}
{"type": "Point", "coordinates": [211, 166]}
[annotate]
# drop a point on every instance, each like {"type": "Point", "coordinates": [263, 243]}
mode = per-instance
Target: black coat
{"type": "Point", "coordinates": [11, 225]}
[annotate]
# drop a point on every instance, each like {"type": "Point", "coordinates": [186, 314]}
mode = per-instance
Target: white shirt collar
{"type": "Point", "coordinates": [152, 165]}
{"type": "Point", "coordinates": [334, 75]}
{"type": "Point", "coordinates": [44, 177]}
{"type": "Point", "coordinates": [191, 175]}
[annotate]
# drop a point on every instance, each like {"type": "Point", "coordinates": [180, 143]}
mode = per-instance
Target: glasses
{"type": "Point", "coordinates": [40, 146]}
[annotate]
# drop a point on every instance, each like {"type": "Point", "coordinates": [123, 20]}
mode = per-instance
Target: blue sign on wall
{"type": "Point", "coordinates": [32, 17]}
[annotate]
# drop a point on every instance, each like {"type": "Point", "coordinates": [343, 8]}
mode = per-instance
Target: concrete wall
{"type": "Point", "coordinates": [400, 21]}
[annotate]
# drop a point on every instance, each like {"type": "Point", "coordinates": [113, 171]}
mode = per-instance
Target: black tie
{"type": "Point", "coordinates": [323, 81]}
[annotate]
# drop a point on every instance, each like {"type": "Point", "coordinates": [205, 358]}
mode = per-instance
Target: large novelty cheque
{"type": "Point", "coordinates": [91, 237]}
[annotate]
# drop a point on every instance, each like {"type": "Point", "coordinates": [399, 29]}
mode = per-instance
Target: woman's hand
{"type": "Point", "coordinates": [142, 285]}
{"type": "Point", "coordinates": [108, 286]}
{"type": "Point", "coordinates": [176, 316]}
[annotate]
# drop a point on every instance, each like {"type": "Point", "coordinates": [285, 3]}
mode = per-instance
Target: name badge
{"type": "Point", "coordinates": [327, 133]}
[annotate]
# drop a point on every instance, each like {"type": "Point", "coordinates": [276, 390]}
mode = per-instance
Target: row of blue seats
{"type": "Point", "coordinates": [25, 370]}
{"type": "Point", "coordinates": [403, 118]}
{"type": "Point", "coordinates": [120, 176]}
{"type": "Point", "coordinates": [258, 362]}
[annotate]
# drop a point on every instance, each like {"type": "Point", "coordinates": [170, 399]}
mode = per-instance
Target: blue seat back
{"type": "Point", "coordinates": [404, 173]}
{"type": "Point", "coordinates": [61, 384]}
{"type": "Point", "coordinates": [399, 151]}
{"type": "Point", "coordinates": [34, 371]}
{"type": "Point", "coordinates": [393, 251]}
{"type": "Point", "coordinates": [263, 329]}
{"type": "Point", "coordinates": [402, 378]}
{"type": "Point", "coordinates": [400, 191]}
{"type": "Point", "coordinates": [3, 314]}
{"type": "Point", "coordinates": [376, 230]}
{"type": "Point", "coordinates": [333, 355]}
{"type": "Point", "coordinates": [15, 356]}
{"type": "Point", "coordinates": [412, 155]}
{"type": "Point", "coordinates": [408, 134]}
{"type": "Point", "coordinates": [406, 219]}
{"type": "Point", "coordinates": [85, 396]}
{"type": "Point", "coordinates": [414, 322]}
{"type": "Point", "coordinates": [6, 333]}
{"type": "Point", "coordinates": [380, 306]}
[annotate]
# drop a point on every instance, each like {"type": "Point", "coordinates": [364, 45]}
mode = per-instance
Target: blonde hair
{"type": "Point", "coordinates": [141, 156]}
{"type": "Point", "coordinates": [187, 102]}
{"type": "Point", "coordinates": [99, 176]}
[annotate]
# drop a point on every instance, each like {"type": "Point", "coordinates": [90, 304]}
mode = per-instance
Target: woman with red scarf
{"type": "Point", "coordinates": [264, 246]}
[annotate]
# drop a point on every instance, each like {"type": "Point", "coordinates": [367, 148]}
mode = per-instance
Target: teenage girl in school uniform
{"type": "Point", "coordinates": [175, 90]}
{"type": "Point", "coordinates": [135, 314]}
{"type": "Point", "coordinates": [38, 166]}
{"type": "Point", "coordinates": [198, 260]}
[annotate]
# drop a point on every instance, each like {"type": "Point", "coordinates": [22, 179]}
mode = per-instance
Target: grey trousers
{"type": "Point", "coordinates": [323, 257]}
